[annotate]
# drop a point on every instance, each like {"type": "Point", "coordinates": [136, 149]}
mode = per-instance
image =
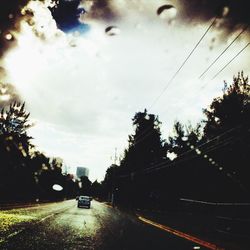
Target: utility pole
{"type": "Point", "coordinates": [113, 189]}
{"type": "Point", "coordinates": [115, 159]}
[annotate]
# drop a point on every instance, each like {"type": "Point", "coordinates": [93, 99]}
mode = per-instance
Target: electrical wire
{"type": "Point", "coordinates": [184, 62]}
{"type": "Point", "coordinates": [218, 57]}
{"type": "Point", "coordinates": [174, 76]}
{"type": "Point", "coordinates": [166, 164]}
{"type": "Point", "coordinates": [230, 61]}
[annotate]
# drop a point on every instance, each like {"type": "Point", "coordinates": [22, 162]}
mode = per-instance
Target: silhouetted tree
{"type": "Point", "coordinates": [85, 186]}
{"type": "Point", "coordinates": [25, 173]}
{"type": "Point", "coordinates": [146, 150]}
{"type": "Point", "coordinates": [183, 137]}
{"type": "Point", "coordinates": [15, 152]}
{"type": "Point", "coordinates": [146, 146]}
{"type": "Point", "coordinates": [96, 189]}
{"type": "Point", "coordinates": [228, 120]}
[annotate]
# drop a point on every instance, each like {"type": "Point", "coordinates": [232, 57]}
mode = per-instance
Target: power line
{"type": "Point", "coordinates": [230, 61]}
{"type": "Point", "coordinates": [144, 133]}
{"type": "Point", "coordinates": [188, 158]}
{"type": "Point", "coordinates": [218, 57]}
{"type": "Point", "coordinates": [174, 76]}
{"type": "Point", "coordinates": [221, 144]}
{"type": "Point", "coordinates": [199, 146]}
{"type": "Point", "coordinates": [162, 165]}
{"type": "Point", "coordinates": [184, 62]}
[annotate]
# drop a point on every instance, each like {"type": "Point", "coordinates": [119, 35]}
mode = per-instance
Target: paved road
{"type": "Point", "coordinates": [64, 226]}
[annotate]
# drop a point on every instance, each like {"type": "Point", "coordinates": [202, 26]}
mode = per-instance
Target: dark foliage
{"type": "Point", "coordinates": [210, 160]}
{"type": "Point", "coordinates": [27, 174]}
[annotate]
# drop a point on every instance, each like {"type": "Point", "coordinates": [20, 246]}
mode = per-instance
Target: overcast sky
{"type": "Point", "coordinates": [83, 88]}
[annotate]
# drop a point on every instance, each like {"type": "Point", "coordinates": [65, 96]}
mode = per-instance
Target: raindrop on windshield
{"type": "Point", "coordinates": [11, 16]}
{"type": "Point", "coordinates": [8, 37]}
{"type": "Point", "coordinates": [198, 151]}
{"type": "Point", "coordinates": [57, 187]}
{"type": "Point", "coordinates": [166, 11]}
{"type": "Point", "coordinates": [184, 138]}
{"type": "Point", "coordinates": [196, 247]}
{"type": "Point", "coordinates": [112, 30]}
{"type": "Point", "coordinates": [225, 11]}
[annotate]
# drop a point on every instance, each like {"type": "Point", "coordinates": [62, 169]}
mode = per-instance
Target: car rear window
{"type": "Point", "coordinates": [84, 198]}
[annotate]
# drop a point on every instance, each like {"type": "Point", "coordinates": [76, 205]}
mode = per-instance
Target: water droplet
{"type": "Point", "coordinates": [225, 11]}
{"type": "Point", "coordinates": [112, 31]}
{"type": "Point", "coordinates": [23, 11]}
{"type": "Point", "coordinates": [198, 151]}
{"type": "Point", "coordinates": [57, 187]}
{"type": "Point", "coordinates": [8, 37]}
{"type": "Point", "coordinates": [166, 11]}
{"type": "Point", "coordinates": [5, 97]}
{"type": "Point", "coordinates": [197, 247]}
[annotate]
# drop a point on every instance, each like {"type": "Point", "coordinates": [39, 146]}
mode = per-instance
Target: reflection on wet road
{"type": "Point", "coordinates": [65, 226]}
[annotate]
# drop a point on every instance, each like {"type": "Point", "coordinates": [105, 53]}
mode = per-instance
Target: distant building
{"type": "Point", "coordinates": [82, 171]}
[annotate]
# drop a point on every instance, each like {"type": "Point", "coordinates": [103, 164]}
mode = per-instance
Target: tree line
{"type": "Point", "coordinates": [208, 161]}
{"type": "Point", "coordinates": [26, 174]}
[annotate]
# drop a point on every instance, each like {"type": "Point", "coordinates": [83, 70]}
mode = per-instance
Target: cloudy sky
{"type": "Point", "coordinates": [83, 85]}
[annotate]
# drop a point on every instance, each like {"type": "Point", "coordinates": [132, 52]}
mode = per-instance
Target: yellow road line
{"type": "Point", "coordinates": [181, 234]}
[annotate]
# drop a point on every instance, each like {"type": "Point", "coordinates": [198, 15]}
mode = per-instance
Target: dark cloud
{"type": "Point", "coordinates": [12, 13]}
{"type": "Point", "coordinates": [233, 12]}
{"type": "Point", "coordinates": [8, 95]}
{"type": "Point", "coordinates": [67, 13]}
{"type": "Point", "coordinates": [101, 9]}
{"type": "Point", "coordinates": [10, 17]}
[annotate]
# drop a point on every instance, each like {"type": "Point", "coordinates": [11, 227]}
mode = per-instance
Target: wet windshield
{"type": "Point", "coordinates": [124, 124]}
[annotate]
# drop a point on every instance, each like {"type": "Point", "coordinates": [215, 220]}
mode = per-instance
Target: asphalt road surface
{"type": "Point", "coordinates": [64, 226]}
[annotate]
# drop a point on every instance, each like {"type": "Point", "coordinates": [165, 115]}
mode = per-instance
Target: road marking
{"type": "Point", "coordinates": [45, 218]}
{"type": "Point", "coordinates": [11, 235]}
{"type": "Point", "coordinates": [37, 222]}
{"type": "Point", "coordinates": [21, 230]}
{"type": "Point", "coordinates": [32, 205]}
{"type": "Point", "coordinates": [181, 234]}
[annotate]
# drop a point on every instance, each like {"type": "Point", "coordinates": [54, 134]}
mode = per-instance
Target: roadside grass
{"type": "Point", "coordinates": [10, 221]}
